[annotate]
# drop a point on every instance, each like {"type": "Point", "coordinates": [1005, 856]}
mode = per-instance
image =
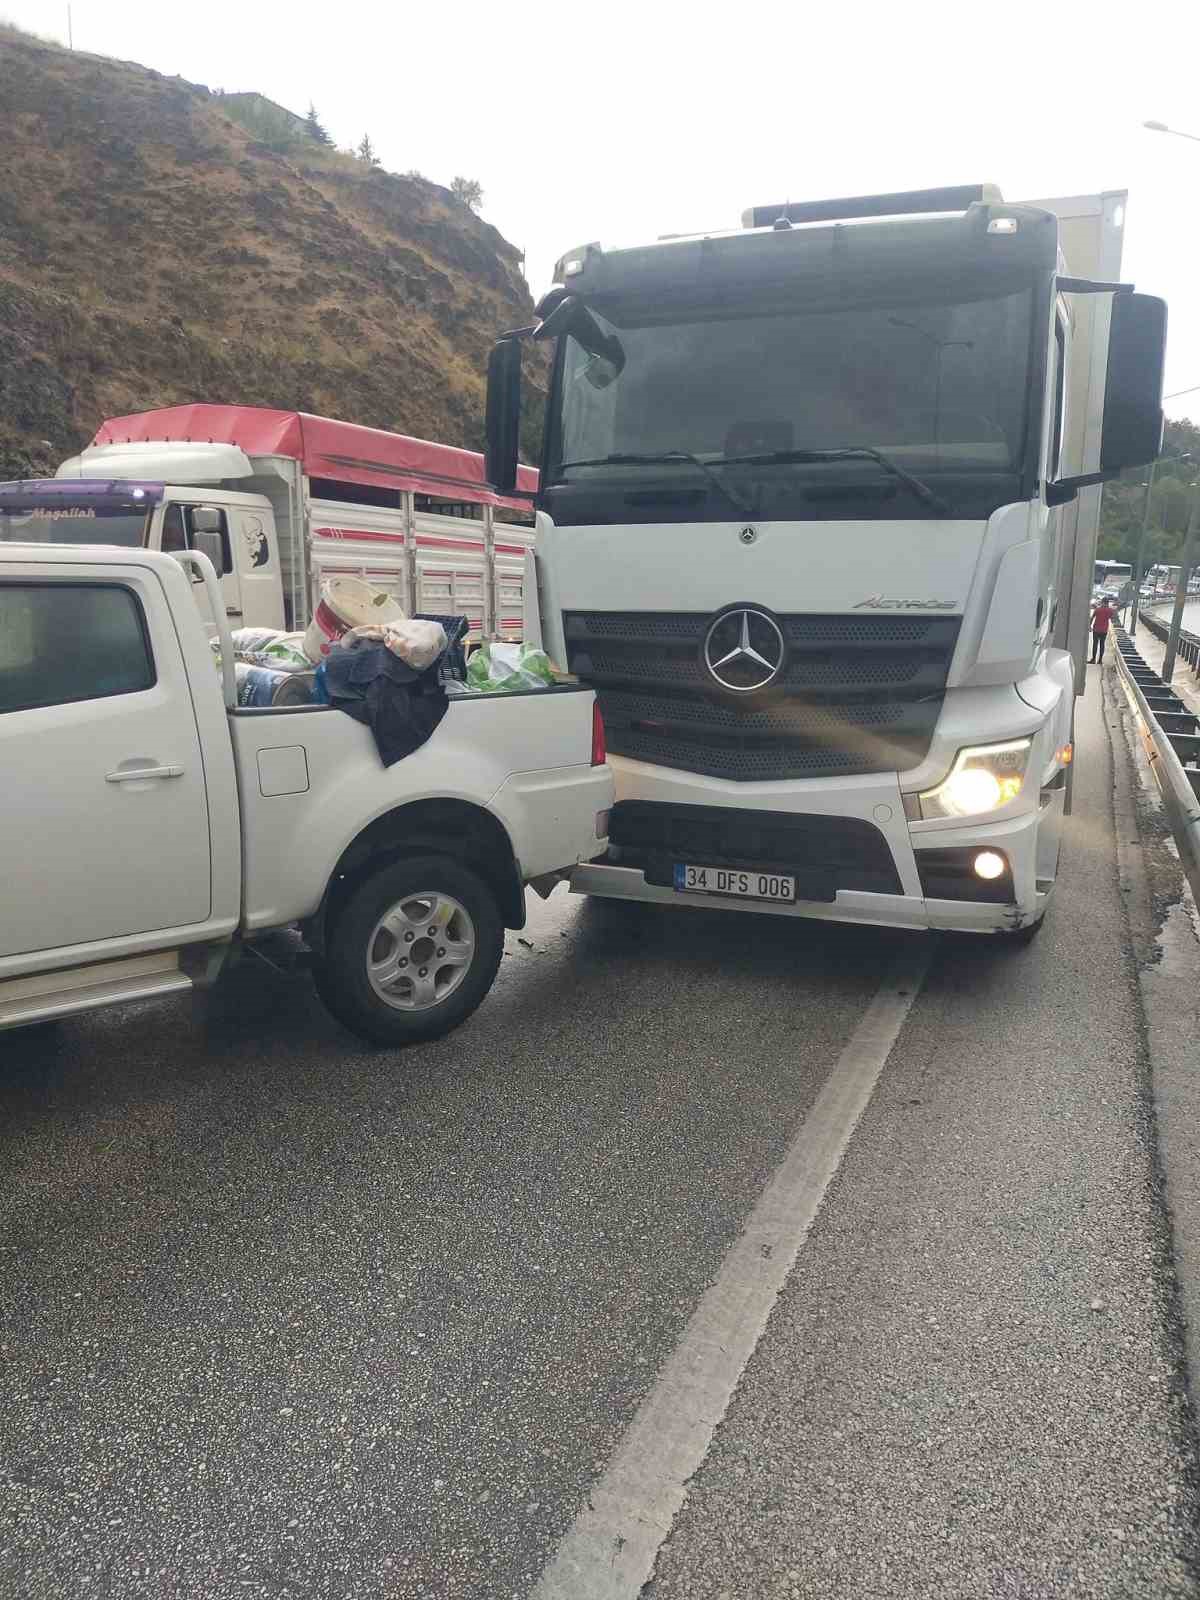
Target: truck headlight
{"type": "Point", "coordinates": [984, 777]}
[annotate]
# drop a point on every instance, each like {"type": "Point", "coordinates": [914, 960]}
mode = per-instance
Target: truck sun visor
{"type": "Point", "coordinates": [58, 499]}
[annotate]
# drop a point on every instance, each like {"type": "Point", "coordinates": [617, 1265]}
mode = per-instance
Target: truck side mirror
{"type": "Point", "coordinates": [208, 542]}
{"type": "Point", "coordinates": [503, 415]}
{"type": "Point", "coordinates": [1131, 434]}
{"type": "Point", "coordinates": [207, 524]}
{"type": "Point", "coordinates": [1133, 418]}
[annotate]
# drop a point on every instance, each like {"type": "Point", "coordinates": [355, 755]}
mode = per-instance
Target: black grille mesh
{"type": "Point", "coordinates": [857, 694]}
{"type": "Point", "coordinates": [824, 853]}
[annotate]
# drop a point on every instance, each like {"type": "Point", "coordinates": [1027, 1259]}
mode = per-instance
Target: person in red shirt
{"type": "Point", "coordinates": [1102, 614]}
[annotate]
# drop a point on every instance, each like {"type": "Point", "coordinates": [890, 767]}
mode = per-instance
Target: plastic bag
{"type": "Point", "coordinates": [501, 666]}
{"type": "Point", "coordinates": [267, 647]}
{"type": "Point", "coordinates": [418, 644]}
{"type": "Point", "coordinates": [284, 653]}
{"type": "Point", "coordinates": [250, 640]}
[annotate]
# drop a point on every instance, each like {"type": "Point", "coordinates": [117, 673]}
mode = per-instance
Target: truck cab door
{"type": "Point", "coordinates": [255, 556]}
{"type": "Point", "coordinates": [104, 817]}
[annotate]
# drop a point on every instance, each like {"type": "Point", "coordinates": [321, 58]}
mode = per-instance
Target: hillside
{"type": "Point", "coordinates": [153, 251]}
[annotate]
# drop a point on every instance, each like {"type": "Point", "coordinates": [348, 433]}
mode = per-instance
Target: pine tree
{"type": "Point", "coordinates": [315, 127]}
{"type": "Point", "coordinates": [366, 152]}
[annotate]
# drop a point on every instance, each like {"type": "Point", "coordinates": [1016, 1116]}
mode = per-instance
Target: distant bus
{"type": "Point", "coordinates": [1163, 579]}
{"type": "Point", "coordinates": [1112, 575]}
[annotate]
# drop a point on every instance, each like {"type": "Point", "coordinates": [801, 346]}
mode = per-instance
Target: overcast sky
{"type": "Point", "coordinates": [626, 121]}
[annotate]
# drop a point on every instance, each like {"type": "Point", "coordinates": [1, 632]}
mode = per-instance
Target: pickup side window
{"type": "Point", "coordinates": [64, 642]}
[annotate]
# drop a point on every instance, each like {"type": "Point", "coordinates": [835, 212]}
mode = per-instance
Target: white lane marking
{"type": "Point", "coordinates": [610, 1550]}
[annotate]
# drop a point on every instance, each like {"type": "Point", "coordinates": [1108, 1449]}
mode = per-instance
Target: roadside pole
{"type": "Point", "coordinates": [1140, 562]}
{"type": "Point", "coordinates": [1181, 591]}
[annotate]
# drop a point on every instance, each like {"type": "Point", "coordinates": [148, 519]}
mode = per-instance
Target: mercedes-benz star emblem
{"type": "Point", "coordinates": [743, 650]}
{"type": "Point", "coordinates": [747, 535]}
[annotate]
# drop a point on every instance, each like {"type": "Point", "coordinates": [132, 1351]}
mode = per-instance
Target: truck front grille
{"type": "Point", "coordinates": [856, 694]}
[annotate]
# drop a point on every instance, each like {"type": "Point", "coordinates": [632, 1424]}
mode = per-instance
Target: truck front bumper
{"type": "Point", "coordinates": [927, 860]}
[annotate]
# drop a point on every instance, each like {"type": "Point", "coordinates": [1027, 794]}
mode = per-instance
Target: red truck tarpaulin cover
{"type": "Point", "coordinates": [325, 449]}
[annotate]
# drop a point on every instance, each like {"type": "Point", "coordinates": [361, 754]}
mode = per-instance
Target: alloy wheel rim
{"type": "Point", "coordinates": [420, 950]}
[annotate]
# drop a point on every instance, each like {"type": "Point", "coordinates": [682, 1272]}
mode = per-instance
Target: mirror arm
{"type": "Point", "coordinates": [1065, 489]}
{"type": "Point", "coordinates": [1091, 286]}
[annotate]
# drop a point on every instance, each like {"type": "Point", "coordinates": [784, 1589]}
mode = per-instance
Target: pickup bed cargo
{"type": "Point", "coordinates": [151, 827]}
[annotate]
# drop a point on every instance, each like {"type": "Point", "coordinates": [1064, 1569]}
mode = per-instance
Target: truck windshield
{"type": "Point", "coordinates": [776, 404]}
{"type": "Point", "coordinates": [41, 524]}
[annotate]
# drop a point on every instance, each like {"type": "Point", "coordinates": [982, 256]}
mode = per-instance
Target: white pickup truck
{"type": "Point", "coordinates": [150, 827]}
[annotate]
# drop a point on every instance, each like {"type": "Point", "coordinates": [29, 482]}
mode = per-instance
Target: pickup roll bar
{"type": "Point", "coordinates": [212, 587]}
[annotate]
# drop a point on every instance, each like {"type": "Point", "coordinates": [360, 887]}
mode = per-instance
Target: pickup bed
{"type": "Point", "coordinates": [150, 826]}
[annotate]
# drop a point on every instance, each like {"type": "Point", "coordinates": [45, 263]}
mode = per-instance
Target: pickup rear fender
{"type": "Point", "coordinates": [455, 828]}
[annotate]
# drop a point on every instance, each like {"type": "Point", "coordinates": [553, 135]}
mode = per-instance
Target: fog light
{"type": "Point", "coordinates": [990, 865]}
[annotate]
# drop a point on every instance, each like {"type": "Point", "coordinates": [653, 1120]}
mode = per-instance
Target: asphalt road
{"type": "Point", "coordinates": [281, 1316]}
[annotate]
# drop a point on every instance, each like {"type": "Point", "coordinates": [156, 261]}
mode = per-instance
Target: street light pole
{"type": "Point", "coordinates": [1193, 533]}
{"type": "Point", "coordinates": [1181, 594]}
{"type": "Point", "coordinates": [1161, 127]}
{"type": "Point", "coordinates": [1140, 560]}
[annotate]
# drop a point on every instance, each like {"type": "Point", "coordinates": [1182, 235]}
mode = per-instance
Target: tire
{"type": "Point", "coordinates": [369, 981]}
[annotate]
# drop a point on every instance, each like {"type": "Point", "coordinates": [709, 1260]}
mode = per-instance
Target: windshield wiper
{"type": "Point", "coordinates": [848, 453]}
{"type": "Point", "coordinates": [665, 456]}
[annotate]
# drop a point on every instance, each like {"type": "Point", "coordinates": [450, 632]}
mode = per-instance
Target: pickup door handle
{"type": "Point", "coordinates": [136, 774]}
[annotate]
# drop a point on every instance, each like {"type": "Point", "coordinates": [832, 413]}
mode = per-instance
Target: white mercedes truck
{"type": "Point", "coordinates": [816, 519]}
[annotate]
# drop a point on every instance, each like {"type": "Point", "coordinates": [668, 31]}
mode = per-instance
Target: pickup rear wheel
{"type": "Point", "coordinates": [411, 952]}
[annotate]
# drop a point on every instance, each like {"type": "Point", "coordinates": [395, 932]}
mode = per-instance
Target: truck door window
{"type": "Point", "coordinates": [1060, 393]}
{"type": "Point", "coordinates": [60, 643]}
{"type": "Point", "coordinates": [173, 536]}
{"type": "Point", "coordinates": [177, 530]}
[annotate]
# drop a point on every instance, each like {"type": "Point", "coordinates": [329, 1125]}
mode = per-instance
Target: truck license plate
{"type": "Point", "coordinates": [733, 881]}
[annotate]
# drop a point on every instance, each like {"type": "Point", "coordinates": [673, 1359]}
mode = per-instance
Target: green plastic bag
{"type": "Point", "coordinates": [499, 667]}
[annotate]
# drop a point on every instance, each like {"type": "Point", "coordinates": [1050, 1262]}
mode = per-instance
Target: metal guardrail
{"type": "Point", "coordinates": [1171, 736]}
{"type": "Point", "coordinates": [1189, 643]}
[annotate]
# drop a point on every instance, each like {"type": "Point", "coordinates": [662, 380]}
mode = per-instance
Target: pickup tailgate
{"type": "Point", "coordinates": [556, 812]}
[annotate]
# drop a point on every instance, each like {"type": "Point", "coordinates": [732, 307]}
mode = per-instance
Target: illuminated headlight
{"type": "Point", "coordinates": [984, 778]}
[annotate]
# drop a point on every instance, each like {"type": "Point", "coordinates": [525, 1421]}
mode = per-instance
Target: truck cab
{"type": "Point", "coordinates": [816, 517]}
{"type": "Point", "coordinates": [295, 500]}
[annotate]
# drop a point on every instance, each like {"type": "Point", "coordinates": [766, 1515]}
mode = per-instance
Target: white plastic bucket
{"type": "Point", "coordinates": [346, 603]}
